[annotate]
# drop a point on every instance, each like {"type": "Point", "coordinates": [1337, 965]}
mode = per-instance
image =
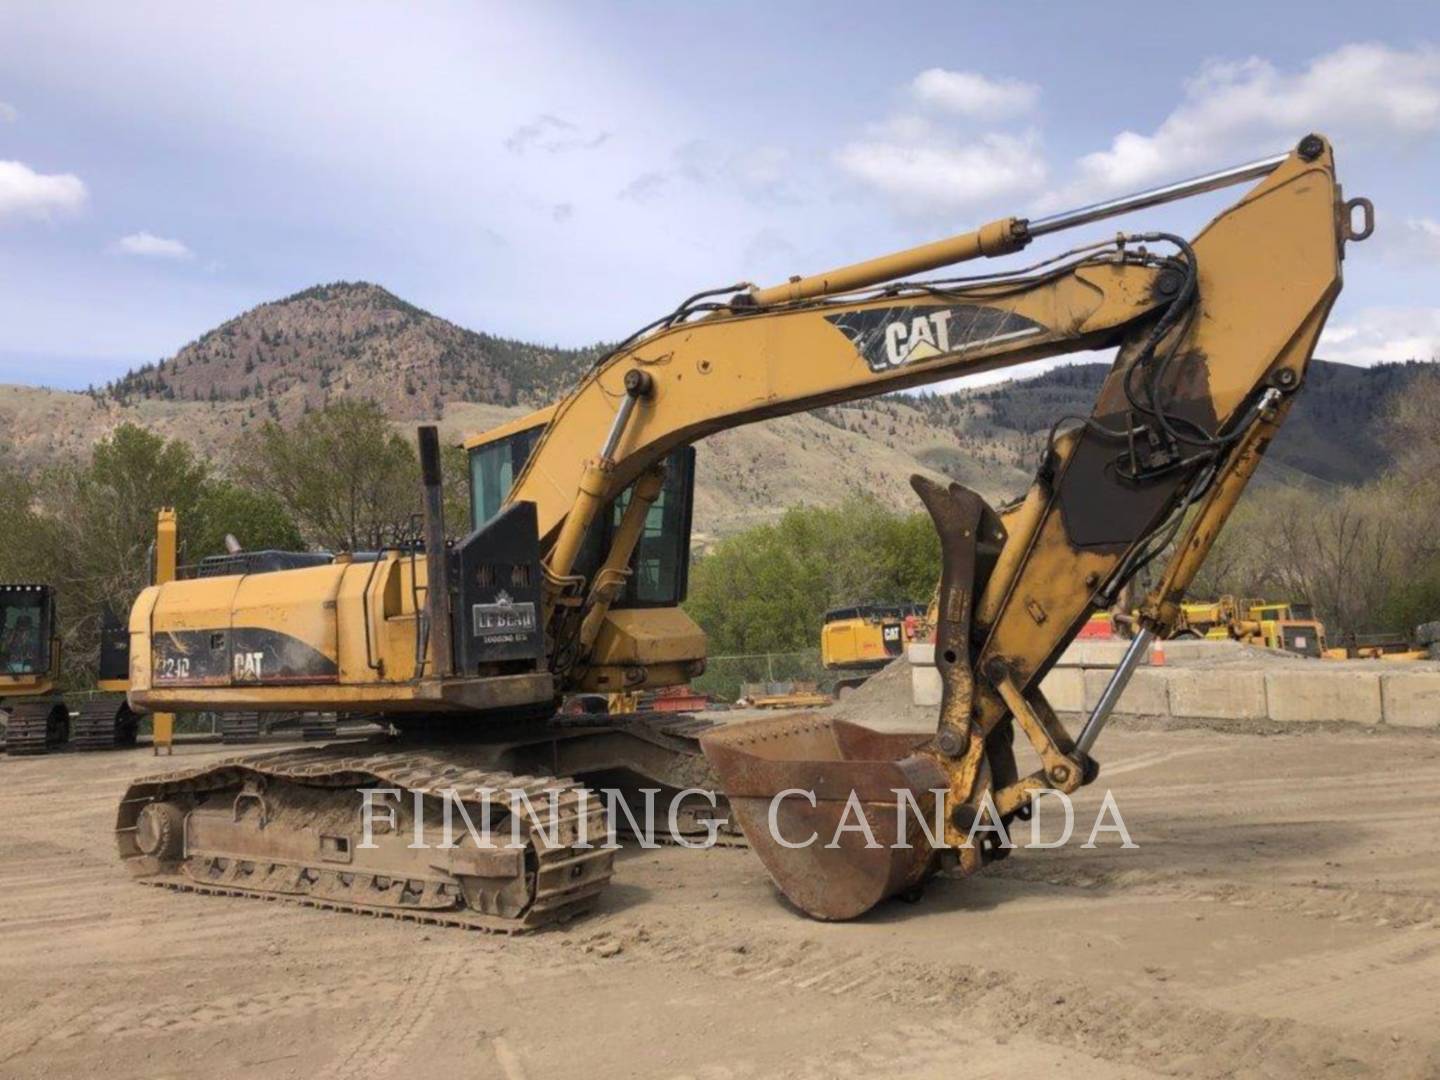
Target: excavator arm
{"type": "Point", "coordinates": [1213, 336]}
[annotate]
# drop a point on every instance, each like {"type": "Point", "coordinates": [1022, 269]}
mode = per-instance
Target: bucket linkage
{"type": "Point", "coordinates": [843, 816]}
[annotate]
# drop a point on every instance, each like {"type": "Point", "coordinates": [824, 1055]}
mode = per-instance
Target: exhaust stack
{"type": "Point", "coordinates": [437, 563]}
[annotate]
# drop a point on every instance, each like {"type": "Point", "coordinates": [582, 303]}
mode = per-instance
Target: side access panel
{"type": "Point", "coordinates": [190, 633]}
{"type": "Point", "coordinates": [283, 630]}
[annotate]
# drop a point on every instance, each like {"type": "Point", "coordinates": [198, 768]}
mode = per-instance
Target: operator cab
{"type": "Point", "coordinates": [27, 621]}
{"type": "Point", "coordinates": [659, 569]}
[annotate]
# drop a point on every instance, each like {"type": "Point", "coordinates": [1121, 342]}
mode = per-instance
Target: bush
{"type": "Point", "coordinates": [767, 589]}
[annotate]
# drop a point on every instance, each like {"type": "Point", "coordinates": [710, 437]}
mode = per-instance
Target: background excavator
{"type": "Point", "coordinates": [1289, 627]}
{"type": "Point", "coordinates": [857, 641]}
{"type": "Point", "coordinates": [35, 721]}
{"type": "Point", "coordinates": [571, 578]}
{"type": "Point", "coordinates": [39, 720]}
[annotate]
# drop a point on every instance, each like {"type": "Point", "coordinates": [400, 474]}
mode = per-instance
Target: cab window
{"type": "Point", "coordinates": [493, 469]}
{"type": "Point", "coordinates": [24, 630]}
{"type": "Point", "coordinates": [659, 569]}
{"type": "Point", "coordinates": [661, 563]}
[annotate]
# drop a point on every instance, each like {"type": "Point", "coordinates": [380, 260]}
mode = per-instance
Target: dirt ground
{"type": "Point", "coordinates": [1281, 917]}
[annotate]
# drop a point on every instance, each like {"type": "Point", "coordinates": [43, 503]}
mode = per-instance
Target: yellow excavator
{"type": "Point", "coordinates": [856, 642]}
{"type": "Point", "coordinates": [38, 720]}
{"type": "Point", "coordinates": [571, 578]}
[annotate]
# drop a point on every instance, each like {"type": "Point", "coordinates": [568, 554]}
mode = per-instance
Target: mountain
{"type": "Point", "coordinates": [1335, 433]}
{"type": "Point", "coordinates": [354, 339]}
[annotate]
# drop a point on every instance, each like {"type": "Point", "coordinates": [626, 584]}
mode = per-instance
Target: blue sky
{"type": "Point", "coordinates": [563, 173]}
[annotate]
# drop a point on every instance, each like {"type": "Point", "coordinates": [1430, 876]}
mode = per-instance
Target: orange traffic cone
{"type": "Point", "coordinates": [1157, 653]}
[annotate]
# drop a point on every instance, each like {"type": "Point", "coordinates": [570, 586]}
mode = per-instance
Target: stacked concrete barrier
{"type": "Point", "coordinates": [1222, 680]}
{"type": "Point", "coordinates": [1428, 635]}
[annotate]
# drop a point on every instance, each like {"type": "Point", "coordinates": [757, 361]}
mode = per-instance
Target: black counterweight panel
{"type": "Point", "coordinates": [495, 574]}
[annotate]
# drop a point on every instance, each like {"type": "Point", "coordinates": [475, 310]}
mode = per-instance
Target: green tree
{"type": "Point", "coordinates": [87, 525]}
{"type": "Point", "coordinates": [257, 519]}
{"type": "Point", "coordinates": [342, 474]}
{"type": "Point", "coordinates": [455, 474]}
{"type": "Point", "coordinates": [1367, 557]}
{"type": "Point", "coordinates": [767, 589]}
{"type": "Point", "coordinates": [98, 520]}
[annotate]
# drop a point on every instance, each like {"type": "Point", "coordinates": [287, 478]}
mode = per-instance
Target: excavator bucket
{"type": "Point", "coordinates": [841, 815]}
{"type": "Point", "coordinates": [837, 812]}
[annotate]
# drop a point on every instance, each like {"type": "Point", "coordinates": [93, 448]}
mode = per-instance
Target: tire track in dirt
{"type": "Point", "coordinates": [196, 1012]}
{"type": "Point", "coordinates": [22, 1031]}
{"type": "Point", "coordinates": [384, 1038]}
{"type": "Point", "coordinates": [1132, 1029]}
{"type": "Point", "coordinates": [1357, 985]}
{"type": "Point", "coordinates": [1379, 909]}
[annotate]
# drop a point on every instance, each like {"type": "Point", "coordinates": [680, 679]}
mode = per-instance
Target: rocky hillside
{"type": "Point", "coordinates": [351, 339]}
{"type": "Point", "coordinates": [1336, 432]}
{"type": "Point", "coordinates": [358, 340]}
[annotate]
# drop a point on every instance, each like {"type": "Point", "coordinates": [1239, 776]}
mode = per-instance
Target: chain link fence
{"type": "Point", "coordinates": [726, 676]}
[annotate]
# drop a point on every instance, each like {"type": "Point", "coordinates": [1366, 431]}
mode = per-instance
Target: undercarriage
{"type": "Point", "coordinates": [487, 834]}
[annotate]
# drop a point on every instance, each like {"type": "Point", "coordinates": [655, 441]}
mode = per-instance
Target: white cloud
{"type": "Point", "coordinates": [1357, 93]}
{"type": "Point", "coordinates": [1418, 240]}
{"type": "Point", "coordinates": [148, 245]}
{"type": "Point", "coordinates": [768, 247]}
{"type": "Point", "coordinates": [646, 187]}
{"type": "Point", "coordinates": [925, 163]}
{"type": "Point", "coordinates": [758, 172]}
{"type": "Point", "coordinates": [553, 134]}
{"type": "Point", "coordinates": [1383, 335]}
{"type": "Point", "coordinates": [924, 170]}
{"type": "Point", "coordinates": [8, 113]}
{"type": "Point", "coordinates": [24, 193]}
{"type": "Point", "coordinates": [971, 94]}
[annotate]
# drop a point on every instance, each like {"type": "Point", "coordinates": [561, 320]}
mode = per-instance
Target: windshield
{"type": "Point", "coordinates": [23, 630]}
{"type": "Point", "coordinates": [661, 562]}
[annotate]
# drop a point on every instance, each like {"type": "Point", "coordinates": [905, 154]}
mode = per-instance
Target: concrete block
{"type": "Point", "coordinates": [1093, 653]}
{"type": "Point", "coordinates": [1216, 693]}
{"type": "Point", "coordinates": [925, 686]}
{"type": "Point", "coordinates": [921, 653]}
{"type": "Point", "coordinates": [1147, 694]}
{"type": "Point", "coordinates": [1190, 650]}
{"type": "Point", "coordinates": [1411, 698]}
{"type": "Point", "coordinates": [1310, 694]}
{"type": "Point", "coordinates": [1064, 688]}
{"type": "Point", "coordinates": [1070, 658]}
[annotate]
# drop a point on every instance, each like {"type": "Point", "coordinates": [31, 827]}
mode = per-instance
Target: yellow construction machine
{"type": "Point", "coordinates": [1289, 627]}
{"type": "Point", "coordinates": [571, 577]}
{"type": "Point", "coordinates": [36, 721]}
{"type": "Point", "coordinates": [856, 642]}
{"type": "Point", "coordinates": [39, 721]}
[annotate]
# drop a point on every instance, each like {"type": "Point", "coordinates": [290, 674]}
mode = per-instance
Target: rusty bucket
{"type": "Point", "coordinates": [798, 785]}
